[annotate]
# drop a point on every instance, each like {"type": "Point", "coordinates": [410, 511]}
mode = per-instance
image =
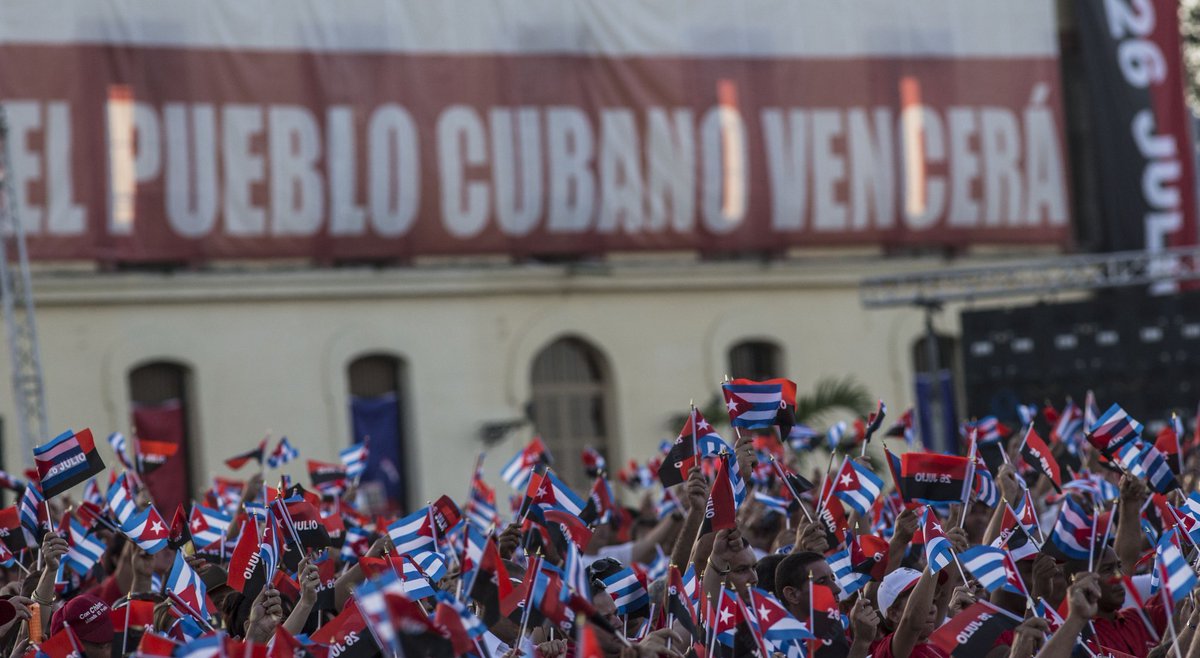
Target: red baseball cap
{"type": "Point", "coordinates": [87, 616]}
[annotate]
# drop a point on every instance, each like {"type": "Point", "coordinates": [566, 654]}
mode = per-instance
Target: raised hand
{"type": "Point", "coordinates": [1084, 596]}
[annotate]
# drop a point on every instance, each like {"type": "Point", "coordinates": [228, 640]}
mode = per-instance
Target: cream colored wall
{"type": "Point", "coordinates": [270, 350]}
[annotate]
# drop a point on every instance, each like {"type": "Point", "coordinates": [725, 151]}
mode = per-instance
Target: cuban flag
{"type": "Point", "coordinates": [752, 405]}
{"type": "Point", "coordinates": [471, 624]}
{"type": "Point", "coordinates": [120, 448]}
{"type": "Point", "coordinates": [857, 486]}
{"type": "Point", "coordinates": [208, 526]}
{"type": "Point", "coordinates": [208, 646]}
{"type": "Point", "coordinates": [835, 434]}
{"type": "Point", "coordinates": [707, 441]}
{"type": "Point", "coordinates": [482, 513]}
{"type": "Point", "coordinates": [1173, 569]}
{"type": "Point", "coordinates": [801, 437]}
{"type": "Point", "coordinates": [86, 549]}
{"type": "Point", "coordinates": [1069, 428]}
{"type": "Point", "coordinates": [120, 501]}
{"type": "Point", "coordinates": [777, 505]}
{"type": "Point", "coordinates": [518, 469]}
{"type": "Point", "coordinates": [67, 460]}
{"type": "Point", "coordinates": [627, 591]}
{"type": "Point", "coordinates": [270, 549]}
{"type": "Point", "coordinates": [1073, 532]}
{"type": "Point", "coordinates": [30, 513]}
{"type": "Point", "coordinates": [575, 573]}
{"type": "Point", "coordinates": [372, 603]}
{"type": "Point", "coordinates": [412, 533]}
{"type": "Point", "coordinates": [91, 493]}
{"type": "Point", "coordinates": [432, 564]}
{"type": "Point", "coordinates": [357, 543]}
{"type": "Point", "coordinates": [993, 568]}
{"type": "Point", "coordinates": [849, 580]}
{"type": "Point", "coordinates": [256, 511]}
{"type": "Point", "coordinates": [938, 552]}
{"type": "Point", "coordinates": [1113, 430]}
{"type": "Point", "coordinates": [990, 429]}
{"type": "Point", "coordinates": [778, 626]}
{"type": "Point", "coordinates": [282, 454]}
{"type": "Point", "coordinates": [185, 586]}
{"type": "Point", "coordinates": [985, 490]}
{"type": "Point", "coordinates": [548, 492]}
{"type": "Point", "coordinates": [904, 429]}
{"type": "Point", "coordinates": [1145, 461]}
{"type": "Point", "coordinates": [1091, 411]}
{"type": "Point", "coordinates": [1027, 413]}
{"type": "Point", "coordinates": [691, 584]}
{"type": "Point", "coordinates": [416, 585]}
{"type": "Point", "coordinates": [148, 530]}
{"type": "Point", "coordinates": [354, 459]}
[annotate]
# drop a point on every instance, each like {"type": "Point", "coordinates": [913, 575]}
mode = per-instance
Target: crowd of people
{"type": "Point", "coordinates": [1077, 545]}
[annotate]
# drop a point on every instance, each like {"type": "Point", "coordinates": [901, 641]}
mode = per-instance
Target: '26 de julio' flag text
{"type": "Point", "coordinates": [66, 461]}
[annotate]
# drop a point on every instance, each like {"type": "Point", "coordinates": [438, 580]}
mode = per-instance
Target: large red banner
{"type": "Point", "coordinates": [131, 145]}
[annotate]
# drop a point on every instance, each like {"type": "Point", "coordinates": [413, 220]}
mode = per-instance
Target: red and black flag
{"type": "Point", "coordinates": [1013, 536]}
{"type": "Point", "coordinates": [179, 533]}
{"type": "Point", "coordinates": [327, 478]}
{"type": "Point", "coordinates": [825, 618]}
{"type": "Point", "coordinates": [11, 532]}
{"type": "Point", "coordinates": [491, 584]}
{"type": "Point", "coordinates": [721, 510]}
{"type": "Point", "coordinates": [349, 631]}
{"type": "Point", "coordinates": [599, 504]}
{"type": "Point", "coordinates": [152, 454]}
{"type": "Point", "coordinates": [1037, 455]}
{"type": "Point", "coordinates": [696, 440]}
{"type": "Point", "coordinates": [679, 604]}
{"type": "Point", "coordinates": [974, 631]}
{"type": "Point", "coordinates": [932, 478]}
{"type": "Point", "coordinates": [237, 461]}
{"type": "Point", "coordinates": [1168, 443]}
{"type": "Point", "coordinates": [129, 623]}
{"type": "Point", "coordinates": [246, 572]}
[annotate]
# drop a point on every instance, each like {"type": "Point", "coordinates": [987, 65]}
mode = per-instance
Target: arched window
{"type": "Point", "coordinates": [377, 412]}
{"type": "Point", "coordinates": [755, 359]}
{"type": "Point", "coordinates": [571, 405]}
{"type": "Point", "coordinates": [160, 402]}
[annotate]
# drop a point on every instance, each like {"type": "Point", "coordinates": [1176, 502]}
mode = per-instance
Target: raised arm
{"type": "Point", "coordinates": [696, 489]}
{"type": "Point", "coordinates": [1082, 598]}
{"type": "Point", "coordinates": [916, 611]}
{"type": "Point", "coordinates": [1128, 542]}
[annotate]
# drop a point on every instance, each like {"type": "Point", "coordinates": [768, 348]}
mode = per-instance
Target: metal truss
{"type": "Point", "coordinates": [16, 299]}
{"type": "Point", "coordinates": [1160, 270]}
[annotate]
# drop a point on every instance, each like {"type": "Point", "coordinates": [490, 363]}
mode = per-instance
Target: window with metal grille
{"type": "Point", "coordinates": [755, 359]}
{"type": "Point", "coordinates": [571, 404]}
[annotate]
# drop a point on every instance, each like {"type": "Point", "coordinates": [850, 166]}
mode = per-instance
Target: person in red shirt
{"type": "Point", "coordinates": [906, 600]}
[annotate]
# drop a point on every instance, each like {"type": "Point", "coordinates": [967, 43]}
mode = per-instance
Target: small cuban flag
{"type": "Point", "coordinates": [938, 551]}
{"type": "Point", "coordinates": [857, 486]}
{"type": "Point", "coordinates": [283, 453]}
{"type": "Point", "coordinates": [354, 459]}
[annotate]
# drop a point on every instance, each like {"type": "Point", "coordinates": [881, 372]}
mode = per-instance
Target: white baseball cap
{"type": "Point", "coordinates": [894, 584]}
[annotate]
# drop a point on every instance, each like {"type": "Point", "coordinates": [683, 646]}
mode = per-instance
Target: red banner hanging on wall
{"type": "Point", "coordinates": [185, 131]}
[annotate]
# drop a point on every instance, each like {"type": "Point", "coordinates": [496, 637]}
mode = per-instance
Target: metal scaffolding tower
{"type": "Point", "coordinates": [16, 298]}
{"type": "Point", "coordinates": [1160, 270]}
